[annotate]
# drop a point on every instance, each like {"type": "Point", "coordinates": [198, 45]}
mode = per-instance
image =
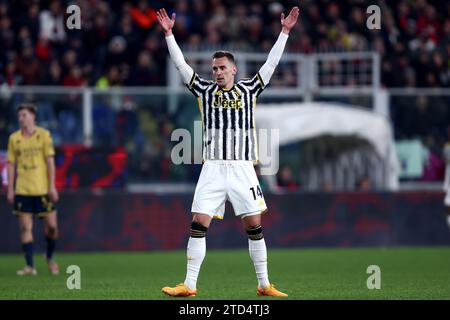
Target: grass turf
{"type": "Point", "coordinates": [338, 273]}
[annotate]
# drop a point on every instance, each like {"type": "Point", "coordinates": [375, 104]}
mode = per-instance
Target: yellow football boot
{"type": "Point", "coordinates": [270, 291]}
{"type": "Point", "coordinates": [179, 291]}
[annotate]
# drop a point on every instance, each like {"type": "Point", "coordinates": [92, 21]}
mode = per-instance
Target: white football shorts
{"type": "Point", "coordinates": [233, 180]}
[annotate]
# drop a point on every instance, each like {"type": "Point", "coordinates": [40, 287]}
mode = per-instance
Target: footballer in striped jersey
{"type": "Point", "coordinates": [230, 150]}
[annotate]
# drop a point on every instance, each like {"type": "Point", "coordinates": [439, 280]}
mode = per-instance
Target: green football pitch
{"type": "Point", "coordinates": [338, 273]}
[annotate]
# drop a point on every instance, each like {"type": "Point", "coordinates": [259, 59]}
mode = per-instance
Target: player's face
{"type": "Point", "coordinates": [224, 71]}
{"type": "Point", "coordinates": [26, 118]}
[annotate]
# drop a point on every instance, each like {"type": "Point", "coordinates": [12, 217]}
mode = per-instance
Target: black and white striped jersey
{"type": "Point", "coordinates": [228, 117]}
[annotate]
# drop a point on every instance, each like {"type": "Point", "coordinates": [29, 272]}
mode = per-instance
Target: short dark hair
{"type": "Point", "coordinates": [31, 107]}
{"type": "Point", "coordinates": [221, 54]}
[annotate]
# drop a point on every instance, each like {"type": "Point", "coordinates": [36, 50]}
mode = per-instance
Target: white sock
{"type": "Point", "coordinates": [196, 250]}
{"type": "Point", "coordinates": [258, 253]}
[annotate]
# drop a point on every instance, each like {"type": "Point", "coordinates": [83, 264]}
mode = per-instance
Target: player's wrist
{"type": "Point", "coordinates": [168, 33]}
{"type": "Point", "coordinates": [285, 30]}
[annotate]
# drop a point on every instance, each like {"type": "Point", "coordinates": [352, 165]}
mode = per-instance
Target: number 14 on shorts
{"type": "Point", "coordinates": [258, 192]}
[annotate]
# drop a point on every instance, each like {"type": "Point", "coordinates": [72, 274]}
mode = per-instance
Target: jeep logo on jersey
{"type": "Point", "coordinates": [220, 102]}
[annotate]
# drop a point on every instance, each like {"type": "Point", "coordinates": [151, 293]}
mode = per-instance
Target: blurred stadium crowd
{"type": "Point", "coordinates": [120, 44]}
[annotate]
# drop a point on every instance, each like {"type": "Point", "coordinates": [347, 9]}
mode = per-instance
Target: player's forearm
{"type": "Point", "coordinates": [51, 172]}
{"type": "Point", "coordinates": [11, 171]}
{"type": "Point", "coordinates": [178, 59]}
{"type": "Point", "coordinates": [273, 58]}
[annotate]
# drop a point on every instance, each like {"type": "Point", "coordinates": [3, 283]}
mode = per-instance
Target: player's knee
{"type": "Point", "coordinates": [52, 232]}
{"type": "Point", "coordinates": [26, 234]}
{"type": "Point", "coordinates": [25, 229]}
{"type": "Point", "coordinates": [198, 230]}
{"type": "Point", "coordinates": [255, 232]}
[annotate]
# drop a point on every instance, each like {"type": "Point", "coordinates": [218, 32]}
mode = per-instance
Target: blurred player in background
{"type": "Point", "coordinates": [229, 152]}
{"type": "Point", "coordinates": [447, 179]}
{"type": "Point", "coordinates": [31, 184]}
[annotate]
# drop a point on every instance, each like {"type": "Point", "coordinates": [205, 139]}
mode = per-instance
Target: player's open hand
{"type": "Point", "coordinates": [165, 22]}
{"type": "Point", "coordinates": [289, 22]}
{"type": "Point", "coordinates": [53, 194]}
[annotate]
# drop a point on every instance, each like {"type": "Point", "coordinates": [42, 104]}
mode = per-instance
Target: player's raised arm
{"type": "Point", "coordinates": [176, 55]}
{"type": "Point", "coordinates": [275, 53]}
